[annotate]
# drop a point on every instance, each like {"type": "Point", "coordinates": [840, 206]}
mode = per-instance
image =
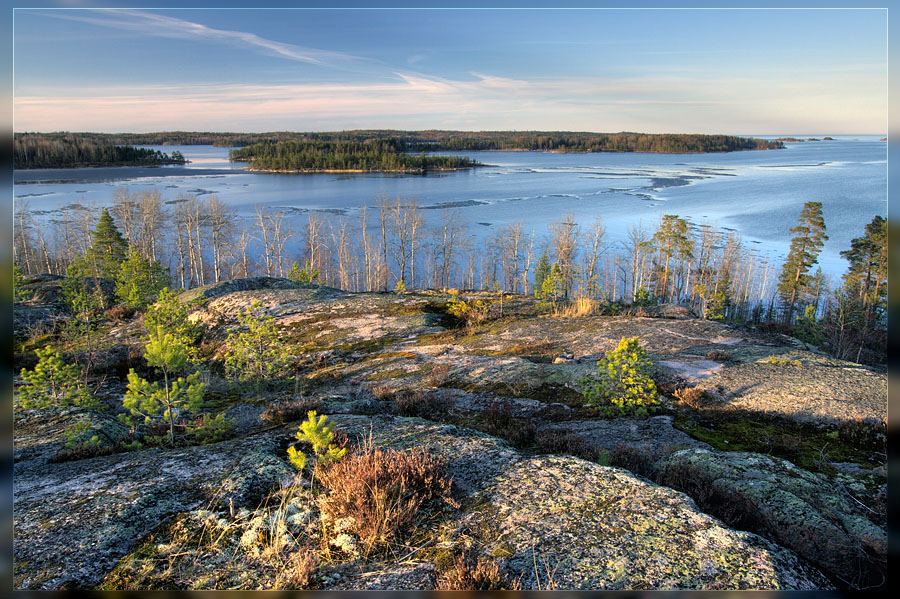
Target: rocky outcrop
{"type": "Point", "coordinates": [596, 526]}
{"type": "Point", "coordinates": [74, 520]}
{"type": "Point", "coordinates": [801, 510]}
{"type": "Point", "coordinates": [249, 284]}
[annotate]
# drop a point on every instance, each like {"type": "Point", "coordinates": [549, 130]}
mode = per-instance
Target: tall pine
{"type": "Point", "coordinates": [794, 281]}
{"type": "Point", "coordinates": [866, 281]}
{"type": "Point", "coordinates": [108, 247]}
{"type": "Point", "coordinates": [868, 264]}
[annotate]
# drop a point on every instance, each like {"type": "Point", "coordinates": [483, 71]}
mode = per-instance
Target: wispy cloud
{"type": "Point", "coordinates": [415, 100]}
{"type": "Point", "coordinates": [159, 25]}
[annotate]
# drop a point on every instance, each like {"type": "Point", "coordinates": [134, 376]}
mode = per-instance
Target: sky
{"type": "Point", "coordinates": [743, 72]}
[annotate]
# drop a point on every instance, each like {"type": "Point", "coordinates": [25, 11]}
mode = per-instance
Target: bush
{"type": "Point", "coordinates": [556, 441]}
{"type": "Point", "coordinates": [472, 313]}
{"type": "Point", "coordinates": [639, 460]}
{"type": "Point", "coordinates": [476, 574]}
{"type": "Point", "coordinates": [290, 410]}
{"type": "Point", "coordinates": [53, 383]}
{"type": "Point", "coordinates": [420, 404]}
{"type": "Point", "coordinates": [719, 354]}
{"type": "Point", "coordinates": [381, 490]}
{"type": "Point", "coordinates": [439, 375]}
{"type": "Point", "coordinates": [694, 397]}
{"type": "Point", "coordinates": [119, 312]}
{"type": "Point", "coordinates": [625, 386]}
{"type": "Point", "coordinates": [499, 422]}
{"type": "Point", "coordinates": [255, 351]}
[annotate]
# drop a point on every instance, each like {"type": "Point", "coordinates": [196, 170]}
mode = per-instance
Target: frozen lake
{"type": "Point", "coordinates": [757, 193]}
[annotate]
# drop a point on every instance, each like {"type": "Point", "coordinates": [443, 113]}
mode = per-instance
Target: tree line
{"type": "Point", "coordinates": [442, 140]}
{"type": "Point", "coordinates": [381, 155]}
{"type": "Point", "coordinates": [68, 150]}
{"type": "Point", "coordinates": [388, 246]}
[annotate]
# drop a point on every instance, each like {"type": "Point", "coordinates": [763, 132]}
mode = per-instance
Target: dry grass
{"type": "Point", "coordinates": [694, 397]}
{"type": "Point", "coordinates": [718, 354]}
{"type": "Point", "coordinates": [290, 410]}
{"type": "Point", "coordinates": [439, 375]}
{"type": "Point", "coordinates": [381, 490]}
{"type": "Point", "coordinates": [476, 574]}
{"type": "Point", "coordinates": [583, 306]}
{"type": "Point", "coordinates": [119, 312]}
{"type": "Point", "coordinates": [383, 392]}
{"type": "Point", "coordinates": [297, 569]}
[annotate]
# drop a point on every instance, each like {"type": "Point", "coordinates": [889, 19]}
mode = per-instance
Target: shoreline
{"type": "Point", "coordinates": [331, 171]}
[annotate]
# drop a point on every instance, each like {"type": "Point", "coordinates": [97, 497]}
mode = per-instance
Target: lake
{"type": "Point", "coordinates": [756, 193]}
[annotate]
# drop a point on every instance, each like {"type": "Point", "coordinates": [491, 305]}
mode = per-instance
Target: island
{"type": "Point", "coordinates": [373, 155]}
{"type": "Point", "coordinates": [65, 150]}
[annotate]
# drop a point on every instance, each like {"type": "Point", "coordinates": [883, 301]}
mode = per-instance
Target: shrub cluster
{"type": "Point", "coordinates": [419, 404]}
{"type": "Point", "coordinates": [557, 441]}
{"type": "Point", "coordinates": [382, 490]}
{"type": "Point", "coordinates": [290, 410]}
{"type": "Point", "coordinates": [499, 422]}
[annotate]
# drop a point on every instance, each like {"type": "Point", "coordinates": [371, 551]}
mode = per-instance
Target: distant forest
{"type": "Point", "coordinates": [64, 150]}
{"type": "Point", "coordinates": [382, 155]}
{"type": "Point", "coordinates": [438, 140]}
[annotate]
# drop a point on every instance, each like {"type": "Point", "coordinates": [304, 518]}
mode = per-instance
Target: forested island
{"type": "Point", "coordinates": [374, 155]}
{"type": "Point", "coordinates": [66, 150]}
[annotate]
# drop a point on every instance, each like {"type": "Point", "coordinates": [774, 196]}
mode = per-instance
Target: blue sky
{"type": "Point", "coordinates": [706, 71]}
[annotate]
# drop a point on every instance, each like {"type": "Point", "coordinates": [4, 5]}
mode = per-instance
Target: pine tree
{"type": "Point", "coordinates": [866, 280]}
{"type": "Point", "coordinates": [139, 281]}
{"type": "Point", "coordinates": [170, 314]}
{"type": "Point", "coordinates": [541, 272]}
{"type": "Point", "coordinates": [868, 264]}
{"type": "Point", "coordinates": [674, 243]}
{"type": "Point", "coordinates": [108, 247]}
{"type": "Point", "coordinates": [805, 247]}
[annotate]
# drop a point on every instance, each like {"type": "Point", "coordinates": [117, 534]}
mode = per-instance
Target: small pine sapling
{"type": "Point", "coordinates": [308, 275]}
{"type": "Point", "coordinates": [319, 433]}
{"type": "Point", "coordinates": [171, 315]}
{"type": "Point", "coordinates": [53, 383]}
{"type": "Point", "coordinates": [146, 399]}
{"type": "Point", "coordinates": [255, 352]}
{"type": "Point", "coordinates": [139, 281]}
{"type": "Point", "coordinates": [625, 386]}
{"type": "Point", "coordinates": [211, 429]}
